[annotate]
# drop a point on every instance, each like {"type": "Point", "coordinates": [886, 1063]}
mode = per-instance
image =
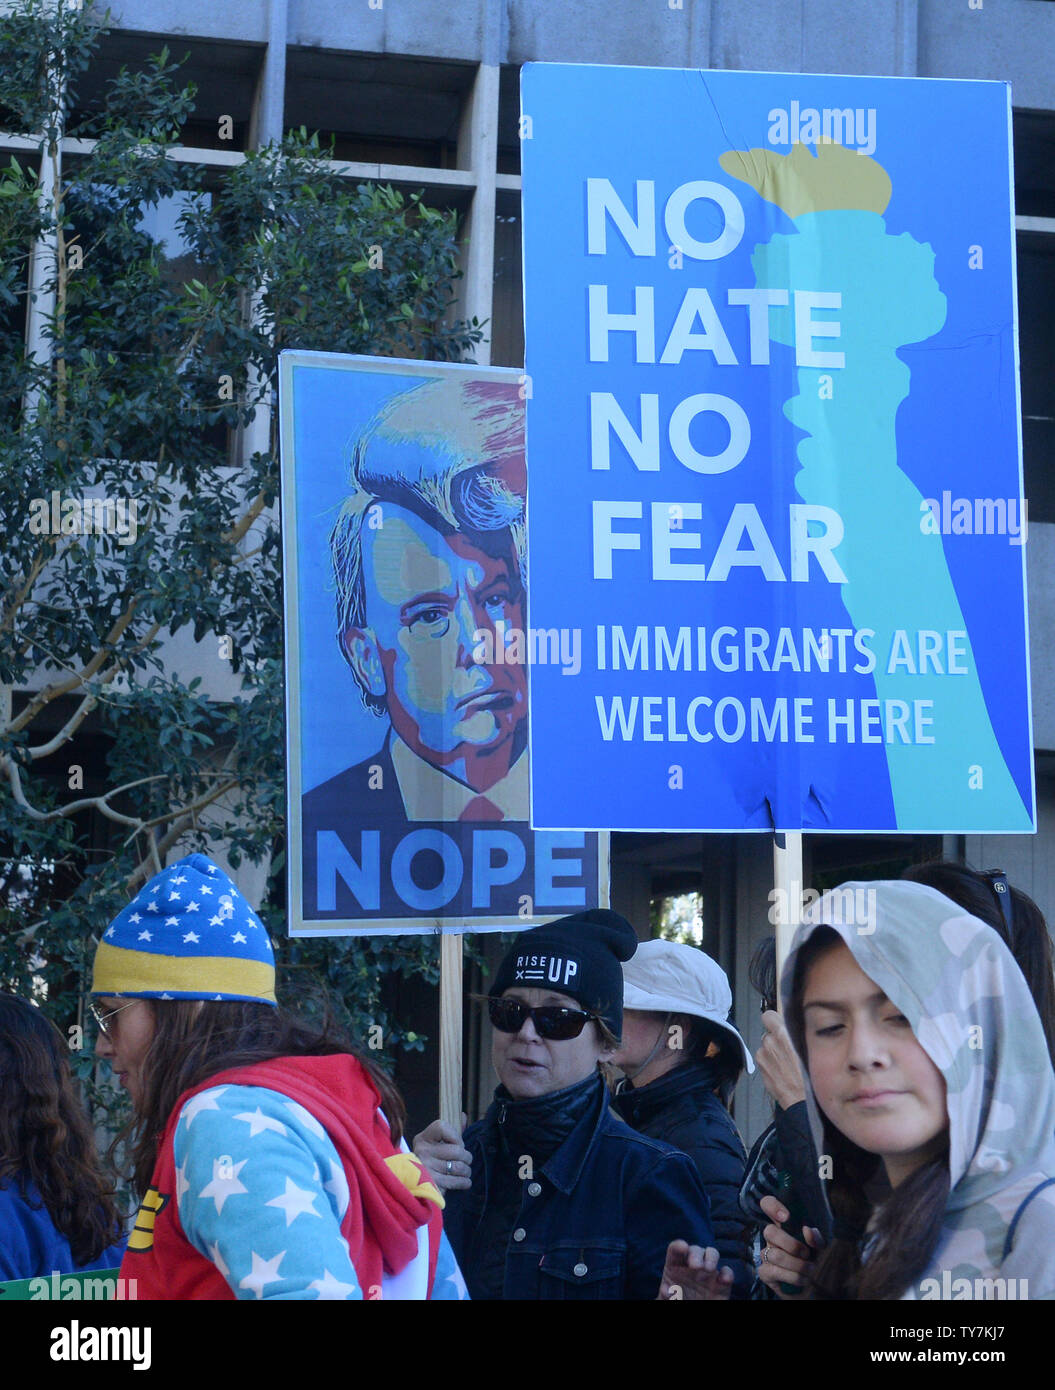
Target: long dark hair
{"type": "Point", "coordinates": [908, 1222]}
{"type": "Point", "coordinates": [45, 1136]}
{"type": "Point", "coordinates": [195, 1039]}
{"type": "Point", "coordinates": [762, 971]}
{"type": "Point", "coordinates": [1027, 940]}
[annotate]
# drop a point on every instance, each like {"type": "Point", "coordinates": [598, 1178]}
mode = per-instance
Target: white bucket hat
{"type": "Point", "coordinates": [663, 977]}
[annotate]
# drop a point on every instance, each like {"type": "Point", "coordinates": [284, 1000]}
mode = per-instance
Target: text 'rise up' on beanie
{"type": "Point", "coordinates": [580, 956]}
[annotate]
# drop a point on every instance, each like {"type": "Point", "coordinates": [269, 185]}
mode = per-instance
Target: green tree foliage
{"type": "Point", "coordinates": [678, 918]}
{"type": "Point", "coordinates": [153, 363]}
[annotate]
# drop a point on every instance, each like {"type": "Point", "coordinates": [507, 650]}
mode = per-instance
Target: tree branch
{"type": "Point", "coordinates": [16, 603]}
{"type": "Point", "coordinates": [76, 719]}
{"type": "Point", "coordinates": [53, 690]}
{"type": "Point", "coordinates": [186, 816]}
{"type": "Point", "coordinates": [206, 799]}
{"type": "Point", "coordinates": [235, 534]}
{"type": "Point", "coordinates": [101, 803]}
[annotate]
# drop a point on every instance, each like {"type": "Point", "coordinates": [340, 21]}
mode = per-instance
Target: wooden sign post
{"type": "Point", "coordinates": [451, 1029]}
{"type": "Point", "coordinates": [787, 880]}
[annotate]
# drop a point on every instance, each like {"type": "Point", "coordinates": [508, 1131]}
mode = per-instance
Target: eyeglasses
{"type": "Point", "coordinates": [551, 1021]}
{"type": "Point", "coordinates": [101, 1018]}
{"type": "Point", "coordinates": [997, 880]}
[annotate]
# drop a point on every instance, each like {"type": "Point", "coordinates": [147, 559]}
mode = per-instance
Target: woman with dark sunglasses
{"type": "Point", "coordinates": [550, 1195]}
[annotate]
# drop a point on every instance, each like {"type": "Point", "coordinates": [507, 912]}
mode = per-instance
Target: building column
{"type": "Point", "coordinates": [266, 121]}
{"type": "Point", "coordinates": [906, 39]}
{"type": "Point", "coordinates": [478, 152]}
{"type": "Point", "coordinates": [266, 126]}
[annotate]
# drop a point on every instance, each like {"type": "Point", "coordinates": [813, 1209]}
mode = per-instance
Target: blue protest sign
{"type": "Point", "coordinates": [775, 452]}
{"type": "Point", "coordinates": [403, 496]}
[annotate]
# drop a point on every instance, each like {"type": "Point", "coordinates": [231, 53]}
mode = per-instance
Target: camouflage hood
{"type": "Point", "coordinates": [972, 1013]}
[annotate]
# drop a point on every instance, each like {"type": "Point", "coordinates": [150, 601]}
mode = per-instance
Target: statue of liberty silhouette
{"type": "Point", "coordinates": [897, 574]}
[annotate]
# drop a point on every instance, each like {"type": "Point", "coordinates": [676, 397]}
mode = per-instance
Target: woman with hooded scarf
{"type": "Point", "coordinates": [932, 1097]}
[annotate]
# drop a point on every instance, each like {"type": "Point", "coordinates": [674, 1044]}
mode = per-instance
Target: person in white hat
{"type": "Point", "coordinates": [681, 1059]}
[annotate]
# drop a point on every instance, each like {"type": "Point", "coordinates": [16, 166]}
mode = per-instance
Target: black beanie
{"type": "Point", "coordinates": [580, 956]}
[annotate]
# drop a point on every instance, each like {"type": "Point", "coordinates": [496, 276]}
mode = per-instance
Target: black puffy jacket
{"type": "Point", "coordinates": [680, 1108]}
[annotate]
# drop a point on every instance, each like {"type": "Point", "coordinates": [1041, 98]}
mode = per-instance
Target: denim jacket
{"type": "Point", "coordinates": [595, 1219]}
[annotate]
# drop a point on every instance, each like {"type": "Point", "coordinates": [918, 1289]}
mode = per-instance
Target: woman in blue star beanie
{"type": "Point", "coordinates": [267, 1152]}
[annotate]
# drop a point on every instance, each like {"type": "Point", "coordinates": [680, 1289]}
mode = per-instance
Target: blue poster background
{"type": "Point", "coordinates": [337, 730]}
{"type": "Point", "coordinates": [926, 405]}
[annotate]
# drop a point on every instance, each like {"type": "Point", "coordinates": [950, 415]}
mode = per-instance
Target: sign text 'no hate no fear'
{"type": "Point", "coordinates": [775, 453]}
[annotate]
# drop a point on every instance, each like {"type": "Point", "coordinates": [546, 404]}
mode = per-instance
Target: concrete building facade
{"type": "Point", "coordinates": [424, 95]}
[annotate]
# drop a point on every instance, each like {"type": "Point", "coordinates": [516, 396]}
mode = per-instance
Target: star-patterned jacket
{"type": "Point", "coordinates": [280, 1180]}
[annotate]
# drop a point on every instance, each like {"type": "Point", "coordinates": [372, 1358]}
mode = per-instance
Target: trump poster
{"type": "Point", "coordinates": [408, 650]}
{"type": "Point", "coordinates": [774, 423]}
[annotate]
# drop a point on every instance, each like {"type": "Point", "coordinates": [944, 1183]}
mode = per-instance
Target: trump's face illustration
{"type": "Point", "coordinates": [432, 605]}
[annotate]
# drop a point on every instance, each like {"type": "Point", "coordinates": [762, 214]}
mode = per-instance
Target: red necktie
{"type": "Point", "coordinates": [481, 809]}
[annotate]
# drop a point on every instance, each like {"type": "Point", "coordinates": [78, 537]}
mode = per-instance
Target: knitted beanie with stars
{"type": "Point", "coordinates": [189, 934]}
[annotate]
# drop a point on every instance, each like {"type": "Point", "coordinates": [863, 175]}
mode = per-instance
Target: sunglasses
{"type": "Point", "coordinates": [551, 1021]}
{"type": "Point", "coordinates": [101, 1018]}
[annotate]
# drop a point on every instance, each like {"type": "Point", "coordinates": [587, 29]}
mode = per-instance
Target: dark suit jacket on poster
{"type": "Point", "coordinates": [348, 798]}
{"type": "Point", "coordinates": [347, 806]}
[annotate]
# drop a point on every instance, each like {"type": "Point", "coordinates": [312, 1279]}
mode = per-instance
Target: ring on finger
{"type": "Point", "coordinates": [450, 1167]}
{"type": "Point", "coordinates": [765, 1254]}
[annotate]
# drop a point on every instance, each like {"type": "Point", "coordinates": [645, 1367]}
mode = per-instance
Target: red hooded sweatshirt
{"type": "Point", "coordinates": [390, 1193]}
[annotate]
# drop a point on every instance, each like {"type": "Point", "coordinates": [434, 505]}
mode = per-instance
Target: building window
{"type": "Point", "coordinates": [225, 76]}
{"type": "Point", "coordinates": [1036, 328]}
{"type": "Point", "coordinates": [509, 121]}
{"type": "Point", "coordinates": [1034, 146]}
{"type": "Point", "coordinates": [378, 109]}
{"type": "Point", "coordinates": [507, 332]}
{"type": "Point", "coordinates": [679, 918]}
